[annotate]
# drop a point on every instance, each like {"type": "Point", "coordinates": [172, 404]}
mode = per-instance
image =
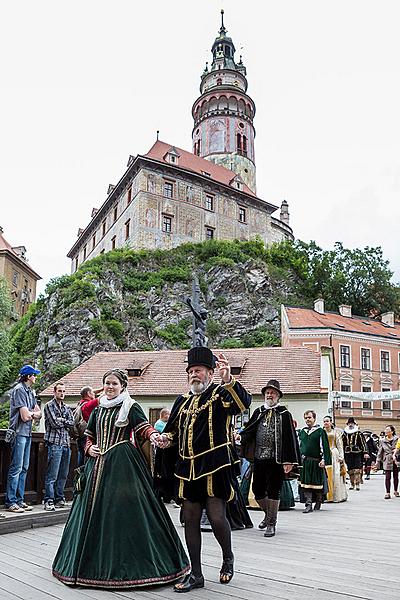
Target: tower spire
{"type": "Point", "coordinates": [222, 30]}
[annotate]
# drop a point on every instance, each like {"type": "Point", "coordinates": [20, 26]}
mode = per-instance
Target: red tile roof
{"type": "Point", "coordinates": [297, 369]}
{"type": "Point", "coordinates": [307, 318]}
{"type": "Point", "coordinates": [4, 245]}
{"type": "Point", "coordinates": [190, 161]}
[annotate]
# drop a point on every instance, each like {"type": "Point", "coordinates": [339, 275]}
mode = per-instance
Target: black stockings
{"type": "Point", "coordinates": [216, 512]}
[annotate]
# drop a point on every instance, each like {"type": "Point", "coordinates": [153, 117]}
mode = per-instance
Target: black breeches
{"type": "Point", "coordinates": [267, 479]}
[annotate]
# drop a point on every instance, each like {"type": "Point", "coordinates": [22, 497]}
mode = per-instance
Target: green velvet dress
{"type": "Point", "coordinates": [118, 534]}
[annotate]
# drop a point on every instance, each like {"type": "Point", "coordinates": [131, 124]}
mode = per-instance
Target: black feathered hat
{"type": "Point", "coordinates": [200, 356]}
{"type": "Point", "coordinates": [275, 385]}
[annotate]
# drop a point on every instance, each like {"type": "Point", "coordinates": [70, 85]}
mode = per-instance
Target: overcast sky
{"type": "Point", "coordinates": [85, 83]}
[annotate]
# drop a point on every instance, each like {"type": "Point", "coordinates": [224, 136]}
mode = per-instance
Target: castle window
{"type": "Point", "coordinates": [242, 214]}
{"type": "Point", "coordinates": [239, 142]}
{"type": "Point", "coordinates": [113, 242]}
{"type": "Point", "coordinates": [385, 366]}
{"type": "Point", "coordinates": [219, 81]}
{"type": "Point", "coordinates": [84, 252]}
{"type": "Point", "coordinates": [366, 359]}
{"type": "Point", "coordinates": [76, 263]}
{"type": "Point", "coordinates": [386, 404]}
{"type": "Point", "coordinates": [189, 193]}
{"type": "Point", "coordinates": [127, 228]}
{"type": "Point", "coordinates": [93, 240]}
{"type": "Point", "coordinates": [167, 224]}
{"type": "Point", "coordinates": [168, 189]}
{"type": "Point", "coordinates": [115, 213]}
{"type": "Point", "coordinates": [209, 204]}
{"type": "Point", "coordinates": [129, 199]}
{"type": "Point", "coordinates": [103, 228]}
{"type": "Point", "coordinates": [244, 145]}
{"type": "Point", "coordinates": [209, 233]}
{"type": "Point", "coordinates": [15, 278]}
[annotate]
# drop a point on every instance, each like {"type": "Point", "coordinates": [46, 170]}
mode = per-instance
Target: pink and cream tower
{"type": "Point", "coordinates": [223, 115]}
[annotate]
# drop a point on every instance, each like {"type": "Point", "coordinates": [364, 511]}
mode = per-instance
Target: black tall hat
{"type": "Point", "coordinates": [200, 356]}
{"type": "Point", "coordinates": [275, 385]}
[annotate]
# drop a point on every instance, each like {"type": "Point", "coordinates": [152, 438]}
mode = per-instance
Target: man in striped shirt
{"type": "Point", "coordinates": [58, 419]}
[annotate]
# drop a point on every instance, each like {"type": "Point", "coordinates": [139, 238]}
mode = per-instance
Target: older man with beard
{"type": "Point", "coordinates": [200, 455]}
{"type": "Point", "coordinates": [269, 440]}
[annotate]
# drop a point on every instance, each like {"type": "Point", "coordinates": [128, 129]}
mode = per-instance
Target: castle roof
{"type": "Point", "coordinates": [162, 372]}
{"type": "Point", "coordinates": [197, 164]}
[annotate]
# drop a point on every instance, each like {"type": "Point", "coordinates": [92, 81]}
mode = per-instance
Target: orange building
{"type": "Point", "coordinates": [367, 359]}
{"type": "Point", "coordinates": [20, 277]}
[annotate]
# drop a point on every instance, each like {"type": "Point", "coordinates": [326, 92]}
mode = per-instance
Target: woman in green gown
{"type": "Point", "coordinates": [118, 534]}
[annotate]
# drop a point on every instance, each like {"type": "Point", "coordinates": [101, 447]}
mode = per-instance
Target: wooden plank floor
{"type": "Point", "coordinates": [349, 550]}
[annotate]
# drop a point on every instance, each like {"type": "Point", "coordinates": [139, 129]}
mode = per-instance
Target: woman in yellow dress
{"type": "Point", "coordinates": [336, 472]}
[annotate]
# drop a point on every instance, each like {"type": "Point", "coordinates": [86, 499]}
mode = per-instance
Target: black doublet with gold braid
{"type": "Point", "coordinates": [200, 425]}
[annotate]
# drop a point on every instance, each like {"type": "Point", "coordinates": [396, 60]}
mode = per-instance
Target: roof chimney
{"type": "Point", "coordinates": [388, 318]}
{"type": "Point", "coordinates": [345, 310]}
{"type": "Point", "coordinates": [319, 306]}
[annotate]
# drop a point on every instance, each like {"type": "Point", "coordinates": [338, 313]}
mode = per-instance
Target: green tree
{"type": "Point", "coordinates": [359, 277]}
{"type": "Point", "coordinates": [6, 316]}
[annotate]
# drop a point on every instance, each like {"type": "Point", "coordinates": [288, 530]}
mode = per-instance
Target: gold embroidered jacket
{"type": "Point", "coordinates": [200, 429]}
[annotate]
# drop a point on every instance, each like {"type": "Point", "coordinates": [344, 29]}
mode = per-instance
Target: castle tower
{"type": "Point", "coordinates": [223, 115]}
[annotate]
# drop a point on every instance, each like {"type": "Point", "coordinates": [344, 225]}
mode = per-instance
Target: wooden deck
{"type": "Point", "coordinates": [350, 550]}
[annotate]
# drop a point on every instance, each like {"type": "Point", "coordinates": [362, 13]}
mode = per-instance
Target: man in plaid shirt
{"type": "Point", "coordinates": [58, 419]}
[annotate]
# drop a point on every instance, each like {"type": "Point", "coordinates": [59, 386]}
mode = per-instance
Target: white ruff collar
{"type": "Point", "coordinates": [126, 403]}
{"type": "Point", "coordinates": [348, 430]}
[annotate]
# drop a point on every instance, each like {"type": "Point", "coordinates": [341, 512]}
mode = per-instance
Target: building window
{"type": "Point", "coordinates": [129, 199]}
{"type": "Point", "coordinates": [197, 148]}
{"type": "Point", "coordinates": [345, 356]}
{"type": "Point", "coordinates": [115, 213]}
{"type": "Point", "coordinates": [84, 252]}
{"type": "Point", "coordinates": [385, 367]}
{"type": "Point", "coordinates": [244, 145]}
{"type": "Point", "coordinates": [168, 189]}
{"type": "Point", "coordinates": [242, 215]}
{"type": "Point", "coordinates": [103, 228]}
{"type": "Point", "coordinates": [93, 240]}
{"type": "Point", "coordinates": [345, 404]}
{"type": "Point", "coordinates": [366, 359]}
{"type": "Point", "coordinates": [209, 233]}
{"type": "Point", "coordinates": [367, 405]}
{"type": "Point", "coordinates": [209, 202]}
{"type": "Point", "coordinates": [345, 388]}
{"type": "Point", "coordinates": [76, 263]}
{"type": "Point", "coordinates": [167, 224]}
{"type": "Point", "coordinates": [366, 389]}
{"type": "Point", "coordinates": [386, 404]}
{"type": "Point", "coordinates": [15, 278]}
{"type": "Point", "coordinates": [113, 242]}
{"type": "Point", "coordinates": [189, 193]}
{"type": "Point", "coordinates": [127, 228]}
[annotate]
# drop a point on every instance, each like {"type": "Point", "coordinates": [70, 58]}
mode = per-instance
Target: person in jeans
{"type": "Point", "coordinates": [58, 419]}
{"type": "Point", "coordinates": [23, 411]}
{"type": "Point", "coordinates": [387, 447]}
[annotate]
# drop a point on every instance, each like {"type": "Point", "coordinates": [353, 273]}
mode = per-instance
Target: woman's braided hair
{"type": "Point", "coordinates": [119, 374]}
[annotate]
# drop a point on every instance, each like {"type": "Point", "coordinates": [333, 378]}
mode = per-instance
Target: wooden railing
{"type": "Point", "coordinates": [34, 488]}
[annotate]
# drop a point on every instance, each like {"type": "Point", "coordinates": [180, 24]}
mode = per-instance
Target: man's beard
{"type": "Point", "coordinates": [198, 387]}
{"type": "Point", "coordinates": [271, 403]}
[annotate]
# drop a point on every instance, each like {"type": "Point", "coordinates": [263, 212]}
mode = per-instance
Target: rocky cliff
{"type": "Point", "coordinates": [136, 300]}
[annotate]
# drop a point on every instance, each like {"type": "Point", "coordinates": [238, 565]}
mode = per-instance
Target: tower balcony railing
{"type": "Point", "coordinates": [223, 112]}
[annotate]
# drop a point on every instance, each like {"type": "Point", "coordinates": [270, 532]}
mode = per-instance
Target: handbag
{"type": "Point", "coordinates": [10, 436]}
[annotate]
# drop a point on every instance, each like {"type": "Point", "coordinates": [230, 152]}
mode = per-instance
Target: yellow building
{"type": "Point", "coordinates": [20, 277]}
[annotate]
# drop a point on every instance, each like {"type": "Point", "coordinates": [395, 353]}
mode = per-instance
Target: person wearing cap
{"type": "Point", "coordinates": [355, 451]}
{"type": "Point", "coordinates": [315, 455]}
{"type": "Point", "coordinates": [23, 411]}
{"type": "Point", "coordinates": [200, 456]}
{"type": "Point", "coordinates": [269, 440]}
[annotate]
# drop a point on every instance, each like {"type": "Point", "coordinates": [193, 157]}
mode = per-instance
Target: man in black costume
{"type": "Point", "coordinates": [200, 455]}
{"type": "Point", "coordinates": [269, 439]}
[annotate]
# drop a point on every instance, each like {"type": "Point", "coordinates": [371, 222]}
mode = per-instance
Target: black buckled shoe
{"type": "Point", "coordinates": [226, 572]}
{"type": "Point", "coordinates": [189, 582]}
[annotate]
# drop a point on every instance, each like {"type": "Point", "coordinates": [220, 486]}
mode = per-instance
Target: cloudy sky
{"type": "Point", "coordinates": [86, 83]}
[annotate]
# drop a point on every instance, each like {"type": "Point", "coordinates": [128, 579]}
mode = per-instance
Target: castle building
{"type": "Point", "coordinates": [170, 196]}
{"type": "Point", "coordinates": [20, 276]}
